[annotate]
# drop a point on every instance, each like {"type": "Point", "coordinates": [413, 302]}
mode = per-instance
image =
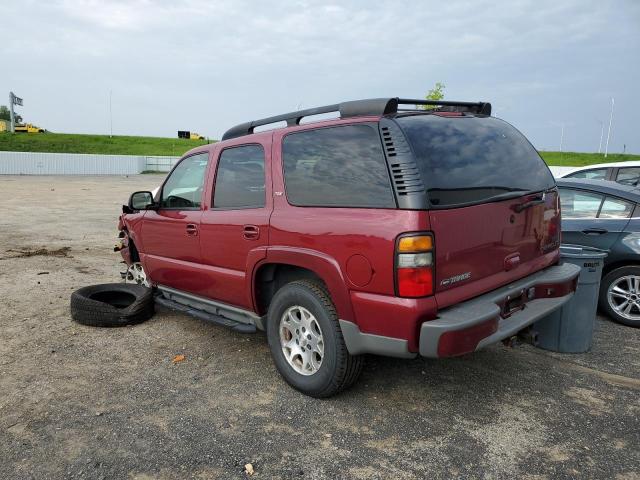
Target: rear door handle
{"type": "Point", "coordinates": [192, 229]}
{"type": "Point", "coordinates": [251, 232]}
{"type": "Point", "coordinates": [594, 231]}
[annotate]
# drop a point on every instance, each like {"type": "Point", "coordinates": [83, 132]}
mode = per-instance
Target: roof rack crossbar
{"type": "Point", "coordinates": [373, 107]}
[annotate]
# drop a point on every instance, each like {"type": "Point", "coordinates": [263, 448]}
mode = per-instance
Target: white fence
{"type": "Point", "coordinates": [28, 163]}
{"type": "Point", "coordinates": [160, 164]}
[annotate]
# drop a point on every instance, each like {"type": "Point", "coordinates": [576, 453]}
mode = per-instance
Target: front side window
{"type": "Point", "coordinates": [240, 178]}
{"type": "Point", "coordinates": [183, 188]}
{"type": "Point", "coordinates": [628, 176]}
{"type": "Point", "coordinates": [595, 174]}
{"type": "Point", "coordinates": [615, 208]}
{"type": "Point", "coordinates": [579, 204]}
{"type": "Point", "coordinates": [337, 167]}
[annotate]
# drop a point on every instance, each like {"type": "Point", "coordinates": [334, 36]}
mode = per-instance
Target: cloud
{"type": "Point", "coordinates": [204, 65]}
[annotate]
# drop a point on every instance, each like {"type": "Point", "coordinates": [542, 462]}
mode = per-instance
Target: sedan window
{"type": "Point", "coordinates": [628, 176]}
{"type": "Point", "coordinates": [616, 208]}
{"type": "Point", "coordinates": [579, 204]}
{"type": "Point", "coordinates": [593, 174]}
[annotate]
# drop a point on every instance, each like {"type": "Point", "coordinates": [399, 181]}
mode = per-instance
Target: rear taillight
{"type": "Point", "coordinates": [553, 225]}
{"type": "Point", "coordinates": [414, 265]}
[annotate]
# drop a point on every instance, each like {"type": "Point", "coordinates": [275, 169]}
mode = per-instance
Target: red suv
{"type": "Point", "coordinates": [393, 231]}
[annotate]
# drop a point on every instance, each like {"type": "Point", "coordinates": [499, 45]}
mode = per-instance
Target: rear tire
{"type": "Point", "coordinates": [305, 306]}
{"type": "Point", "coordinates": [612, 302]}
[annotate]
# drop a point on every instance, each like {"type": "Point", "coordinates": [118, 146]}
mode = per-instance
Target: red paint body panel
{"type": "Point", "coordinates": [481, 241]}
{"type": "Point", "coordinates": [393, 316]}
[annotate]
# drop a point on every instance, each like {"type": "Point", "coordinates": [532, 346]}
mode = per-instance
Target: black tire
{"type": "Point", "coordinates": [606, 282]}
{"type": "Point", "coordinates": [112, 305]}
{"type": "Point", "coordinates": [338, 369]}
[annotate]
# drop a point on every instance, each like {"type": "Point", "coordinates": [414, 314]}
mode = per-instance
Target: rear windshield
{"type": "Point", "coordinates": [467, 160]}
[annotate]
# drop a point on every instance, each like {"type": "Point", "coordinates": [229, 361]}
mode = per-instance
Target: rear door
{"type": "Point", "coordinates": [493, 204]}
{"type": "Point", "coordinates": [170, 234]}
{"type": "Point", "coordinates": [234, 231]}
{"type": "Point", "coordinates": [593, 219]}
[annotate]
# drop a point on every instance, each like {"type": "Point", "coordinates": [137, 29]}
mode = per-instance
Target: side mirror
{"type": "Point", "coordinates": [141, 201]}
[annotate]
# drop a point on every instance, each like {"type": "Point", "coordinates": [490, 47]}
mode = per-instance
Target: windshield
{"type": "Point", "coordinates": [466, 160]}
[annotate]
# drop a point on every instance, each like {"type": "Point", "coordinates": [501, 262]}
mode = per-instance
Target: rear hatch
{"type": "Point", "coordinates": [493, 203]}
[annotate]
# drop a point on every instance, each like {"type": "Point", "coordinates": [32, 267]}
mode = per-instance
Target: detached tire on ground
{"type": "Point", "coordinates": [306, 341]}
{"type": "Point", "coordinates": [112, 305]}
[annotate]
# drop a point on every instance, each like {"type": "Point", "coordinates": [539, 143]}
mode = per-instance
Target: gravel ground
{"type": "Point", "coordinates": [81, 402]}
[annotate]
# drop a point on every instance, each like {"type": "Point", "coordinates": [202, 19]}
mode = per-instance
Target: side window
{"type": "Point", "coordinates": [240, 178]}
{"type": "Point", "coordinates": [594, 174]}
{"type": "Point", "coordinates": [616, 208]}
{"type": "Point", "coordinates": [579, 204]}
{"type": "Point", "coordinates": [183, 188]}
{"type": "Point", "coordinates": [628, 176]}
{"type": "Point", "coordinates": [337, 167]}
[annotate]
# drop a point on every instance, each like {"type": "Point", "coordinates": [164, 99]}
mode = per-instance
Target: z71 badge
{"type": "Point", "coordinates": [455, 279]}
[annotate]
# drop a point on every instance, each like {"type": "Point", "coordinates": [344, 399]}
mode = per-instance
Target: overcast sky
{"type": "Point", "coordinates": [205, 65]}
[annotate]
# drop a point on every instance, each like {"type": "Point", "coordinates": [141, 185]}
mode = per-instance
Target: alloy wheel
{"type": "Point", "coordinates": [301, 340]}
{"type": "Point", "coordinates": [623, 296]}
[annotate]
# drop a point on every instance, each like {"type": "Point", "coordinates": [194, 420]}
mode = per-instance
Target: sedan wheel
{"type": "Point", "coordinates": [620, 295]}
{"type": "Point", "coordinates": [623, 296]}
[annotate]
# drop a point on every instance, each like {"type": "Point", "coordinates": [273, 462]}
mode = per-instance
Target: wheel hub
{"type": "Point", "coordinates": [623, 296]}
{"type": "Point", "coordinates": [301, 340]}
{"type": "Point", "coordinates": [136, 274]}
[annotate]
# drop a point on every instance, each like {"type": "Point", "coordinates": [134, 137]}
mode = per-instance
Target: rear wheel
{"type": "Point", "coordinates": [620, 295]}
{"type": "Point", "coordinates": [306, 341]}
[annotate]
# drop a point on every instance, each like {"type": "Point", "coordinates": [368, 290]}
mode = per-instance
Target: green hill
{"type": "Point", "coordinates": [573, 159]}
{"type": "Point", "coordinates": [119, 145]}
{"type": "Point", "coordinates": [100, 144]}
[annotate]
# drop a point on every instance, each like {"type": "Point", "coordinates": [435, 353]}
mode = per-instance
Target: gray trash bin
{"type": "Point", "coordinates": [570, 328]}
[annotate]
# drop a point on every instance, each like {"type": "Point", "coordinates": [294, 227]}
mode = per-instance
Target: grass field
{"type": "Point", "coordinates": [100, 144]}
{"type": "Point", "coordinates": [118, 145]}
{"type": "Point", "coordinates": [573, 159]}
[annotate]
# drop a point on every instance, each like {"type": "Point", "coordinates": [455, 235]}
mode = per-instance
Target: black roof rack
{"type": "Point", "coordinates": [357, 108]}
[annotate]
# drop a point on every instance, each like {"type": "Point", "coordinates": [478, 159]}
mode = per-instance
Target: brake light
{"type": "Point", "coordinates": [414, 266]}
{"type": "Point", "coordinates": [554, 233]}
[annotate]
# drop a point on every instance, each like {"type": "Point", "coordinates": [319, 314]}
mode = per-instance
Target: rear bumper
{"type": "Point", "coordinates": [484, 320]}
{"type": "Point", "coordinates": [473, 324]}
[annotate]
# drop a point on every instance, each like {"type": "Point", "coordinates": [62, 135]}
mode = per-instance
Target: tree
{"type": "Point", "coordinates": [5, 114]}
{"type": "Point", "coordinates": [436, 93]}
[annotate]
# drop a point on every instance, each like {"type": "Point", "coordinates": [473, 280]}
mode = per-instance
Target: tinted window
{"type": "Point", "coordinates": [616, 208]}
{"type": "Point", "coordinates": [240, 178]}
{"type": "Point", "coordinates": [578, 204]}
{"type": "Point", "coordinates": [183, 188]}
{"type": "Point", "coordinates": [595, 174]}
{"type": "Point", "coordinates": [628, 176]}
{"type": "Point", "coordinates": [337, 167]}
{"type": "Point", "coordinates": [473, 159]}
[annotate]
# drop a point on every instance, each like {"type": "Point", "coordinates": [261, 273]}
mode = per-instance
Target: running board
{"type": "Point", "coordinates": [209, 310]}
{"type": "Point", "coordinates": [207, 317]}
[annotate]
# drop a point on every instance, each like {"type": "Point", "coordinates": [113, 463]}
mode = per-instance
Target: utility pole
{"type": "Point", "coordinates": [13, 100]}
{"type": "Point", "coordinates": [606, 148]}
{"type": "Point", "coordinates": [561, 137]}
{"type": "Point", "coordinates": [110, 116]}
{"type": "Point", "coordinates": [601, 135]}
